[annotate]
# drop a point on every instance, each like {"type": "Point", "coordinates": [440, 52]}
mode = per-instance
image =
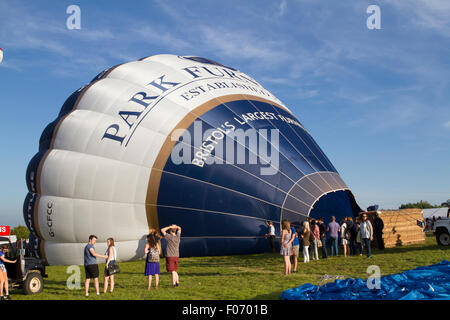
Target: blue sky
{"type": "Point", "coordinates": [376, 101]}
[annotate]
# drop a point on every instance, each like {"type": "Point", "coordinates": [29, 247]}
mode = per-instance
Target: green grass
{"type": "Point", "coordinates": [256, 276]}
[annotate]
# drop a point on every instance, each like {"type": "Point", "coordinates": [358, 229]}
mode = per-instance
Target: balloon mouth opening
{"type": "Point", "coordinates": [340, 204]}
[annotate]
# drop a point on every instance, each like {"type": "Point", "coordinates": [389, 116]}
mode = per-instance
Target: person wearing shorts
{"type": "Point", "coordinates": [3, 273]}
{"type": "Point", "coordinates": [172, 251]}
{"type": "Point", "coordinates": [287, 237]}
{"type": "Point", "coordinates": [90, 265]}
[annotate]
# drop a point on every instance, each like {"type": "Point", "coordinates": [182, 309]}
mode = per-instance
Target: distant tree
{"type": "Point", "coordinates": [446, 203]}
{"type": "Point", "coordinates": [21, 232]}
{"type": "Point", "coordinates": [419, 205]}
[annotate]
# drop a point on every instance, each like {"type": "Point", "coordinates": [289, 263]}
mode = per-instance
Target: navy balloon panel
{"type": "Point", "coordinates": [302, 140]}
{"type": "Point", "coordinates": [287, 158]}
{"type": "Point", "coordinates": [47, 134]}
{"type": "Point", "coordinates": [310, 142]}
{"type": "Point", "coordinates": [228, 175]}
{"type": "Point", "coordinates": [222, 246]}
{"type": "Point", "coordinates": [196, 223]}
{"type": "Point", "coordinates": [183, 192]}
{"type": "Point", "coordinates": [286, 147]}
{"type": "Point", "coordinates": [231, 177]}
{"type": "Point", "coordinates": [245, 178]}
{"type": "Point", "coordinates": [32, 169]}
{"type": "Point", "coordinates": [69, 104]}
{"type": "Point", "coordinates": [290, 143]}
{"type": "Point", "coordinates": [34, 244]}
{"type": "Point", "coordinates": [28, 212]}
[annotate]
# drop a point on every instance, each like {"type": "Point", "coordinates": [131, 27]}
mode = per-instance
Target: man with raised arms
{"type": "Point", "coordinates": [172, 250]}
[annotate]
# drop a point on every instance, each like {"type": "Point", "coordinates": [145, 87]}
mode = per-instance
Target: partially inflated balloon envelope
{"type": "Point", "coordinates": [175, 140]}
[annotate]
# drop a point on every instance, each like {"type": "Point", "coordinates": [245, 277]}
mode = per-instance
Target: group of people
{"type": "Point", "coordinates": [429, 222]}
{"type": "Point", "coordinates": [290, 244]}
{"type": "Point", "coordinates": [172, 235]}
{"type": "Point", "coordinates": [312, 234]}
{"type": "Point", "coordinates": [152, 251]}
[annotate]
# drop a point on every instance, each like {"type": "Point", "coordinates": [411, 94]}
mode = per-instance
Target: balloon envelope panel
{"type": "Point", "coordinates": [171, 139]}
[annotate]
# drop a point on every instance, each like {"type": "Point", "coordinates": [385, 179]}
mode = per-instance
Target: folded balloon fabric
{"type": "Point", "coordinates": [423, 283]}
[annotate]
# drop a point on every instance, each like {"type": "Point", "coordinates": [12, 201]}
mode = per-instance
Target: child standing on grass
{"type": "Point", "coordinates": [152, 250]}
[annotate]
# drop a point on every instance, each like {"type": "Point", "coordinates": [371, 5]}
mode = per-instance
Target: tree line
{"type": "Point", "coordinates": [424, 205]}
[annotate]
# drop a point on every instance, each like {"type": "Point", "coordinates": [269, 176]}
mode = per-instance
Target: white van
{"type": "Point", "coordinates": [11, 238]}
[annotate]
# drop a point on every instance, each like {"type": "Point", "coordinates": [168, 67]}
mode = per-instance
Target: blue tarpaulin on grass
{"type": "Point", "coordinates": [423, 283]}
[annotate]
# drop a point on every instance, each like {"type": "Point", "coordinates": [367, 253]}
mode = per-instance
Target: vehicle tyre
{"type": "Point", "coordinates": [33, 283]}
{"type": "Point", "coordinates": [442, 237]}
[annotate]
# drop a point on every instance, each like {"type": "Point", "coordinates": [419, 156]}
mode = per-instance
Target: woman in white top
{"type": "Point", "coordinates": [345, 242]}
{"type": "Point", "coordinates": [271, 235]}
{"type": "Point", "coordinates": [111, 254]}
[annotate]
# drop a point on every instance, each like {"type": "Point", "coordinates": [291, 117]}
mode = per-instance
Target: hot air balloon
{"type": "Point", "coordinates": [1, 55]}
{"type": "Point", "coordinates": [174, 139]}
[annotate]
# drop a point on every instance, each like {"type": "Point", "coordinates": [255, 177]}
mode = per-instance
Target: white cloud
{"type": "Point", "coordinates": [242, 45]}
{"type": "Point", "coordinates": [47, 42]}
{"type": "Point", "coordinates": [152, 34]}
{"type": "Point", "coordinates": [400, 113]}
{"type": "Point", "coordinates": [307, 93]}
{"type": "Point", "coordinates": [426, 14]}
{"type": "Point", "coordinates": [282, 8]}
{"type": "Point", "coordinates": [447, 124]}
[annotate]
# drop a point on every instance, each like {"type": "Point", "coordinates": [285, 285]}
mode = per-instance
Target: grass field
{"type": "Point", "coordinates": [257, 276]}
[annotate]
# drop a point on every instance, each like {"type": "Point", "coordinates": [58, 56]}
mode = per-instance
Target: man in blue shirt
{"type": "Point", "coordinates": [334, 228]}
{"type": "Point", "coordinates": [90, 265]}
{"type": "Point", "coordinates": [295, 248]}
